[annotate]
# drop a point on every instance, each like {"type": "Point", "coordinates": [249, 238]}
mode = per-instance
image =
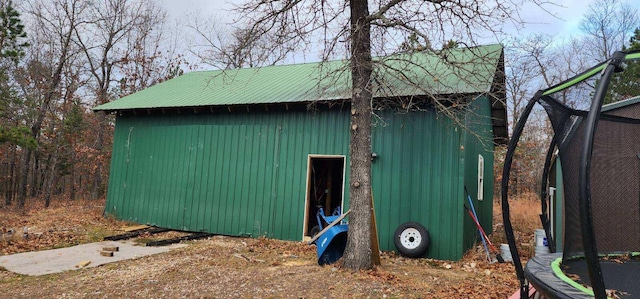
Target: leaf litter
{"type": "Point", "coordinates": [230, 267]}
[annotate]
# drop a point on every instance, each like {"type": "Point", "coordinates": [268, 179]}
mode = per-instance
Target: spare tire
{"type": "Point", "coordinates": [411, 239]}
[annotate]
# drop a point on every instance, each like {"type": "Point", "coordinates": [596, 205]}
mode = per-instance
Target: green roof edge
{"type": "Point", "coordinates": [620, 104]}
{"type": "Point", "coordinates": [200, 98]}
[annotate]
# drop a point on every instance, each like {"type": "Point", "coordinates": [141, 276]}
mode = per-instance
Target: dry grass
{"type": "Point", "coordinates": [525, 219]}
{"type": "Point", "coordinates": [224, 267]}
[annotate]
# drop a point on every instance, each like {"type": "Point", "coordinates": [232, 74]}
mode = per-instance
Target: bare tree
{"type": "Point", "coordinates": [538, 61]}
{"type": "Point", "coordinates": [54, 22]}
{"type": "Point", "coordinates": [527, 61]}
{"type": "Point", "coordinates": [63, 122]}
{"type": "Point", "coordinates": [532, 63]}
{"type": "Point", "coordinates": [148, 59]}
{"type": "Point", "coordinates": [84, 53]}
{"type": "Point", "coordinates": [110, 34]}
{"type": "Point", "coordinates": [381, 31]}
{"type": "Point", "coordinates": [232, 46]}
{"type": "Point", "coordinates": [608, 25]}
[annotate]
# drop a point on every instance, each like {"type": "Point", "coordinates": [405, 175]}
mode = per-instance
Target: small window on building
{"type": "Point", "coordinates": [480, 177]}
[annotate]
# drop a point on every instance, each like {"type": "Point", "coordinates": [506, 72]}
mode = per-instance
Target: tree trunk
{"type": "Point", "coordinates": [52, 87]}
{"type": "Point", "coordinates": [35, 132]}
{"type": "Point", "coordinates": [34, 186]}
{"type": "Point", "coordinates": [11, 193]}
{"type": "Point", "coordinates": [49, 179]}
{"type": "Point", "coordinates": [72, 187]}
{"type": "Point", "coordinates": [24, 176]}
{"type": "Point", "coordinates": [50, 172]}
{"type": "Point", "coordinates": [8, 175]}
{"type": "Point", "coordinates": [357, 254]}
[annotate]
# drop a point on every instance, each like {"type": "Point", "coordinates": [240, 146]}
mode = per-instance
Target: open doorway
{"type": "Point", "coordinates": [325, 188]}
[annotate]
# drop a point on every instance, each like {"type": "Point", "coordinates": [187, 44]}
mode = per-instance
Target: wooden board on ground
{"type": "Point", "coordinates": [328, 227]}
{"type": "Point", "coordinates": [375, 246]}
{"type": "Point", "coordinates": [106, 253]}
{"type": "Point", "coordinates": [110, 248]}
{"type": "Point", "coordinates": [134, 228]}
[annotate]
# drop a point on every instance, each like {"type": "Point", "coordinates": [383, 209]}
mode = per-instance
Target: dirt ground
{"type": "Point", "coordinates": [228, 267]}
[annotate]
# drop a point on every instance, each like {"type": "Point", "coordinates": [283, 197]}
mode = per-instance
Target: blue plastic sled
{"type": "Point", "coordinates": [330, 245]}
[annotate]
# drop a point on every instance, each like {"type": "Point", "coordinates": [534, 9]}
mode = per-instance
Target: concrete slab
{"type": "Point", "coordinates": [64, 259]}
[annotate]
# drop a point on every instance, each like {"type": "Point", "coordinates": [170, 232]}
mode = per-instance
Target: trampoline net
{"type": "Point", "coordinates": [615, 167]}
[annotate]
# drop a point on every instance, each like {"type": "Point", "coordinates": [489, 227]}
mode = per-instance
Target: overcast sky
{"type": "Point", "coordinates": [217, 8]}
{"type": "Point", "coordinates": [569, 13]}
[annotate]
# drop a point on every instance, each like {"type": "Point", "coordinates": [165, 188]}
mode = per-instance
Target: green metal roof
{"type": "Point", "coordinates": [620, 104]}
{"type": "Point", "coordinates": [465, 71]}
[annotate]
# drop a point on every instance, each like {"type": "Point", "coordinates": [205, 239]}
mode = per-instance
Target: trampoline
{"type": "Point", "coordinates": [598, 147]}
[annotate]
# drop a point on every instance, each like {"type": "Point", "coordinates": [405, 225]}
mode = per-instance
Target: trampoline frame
{"type": "Point", "coordinates": [607, 70]}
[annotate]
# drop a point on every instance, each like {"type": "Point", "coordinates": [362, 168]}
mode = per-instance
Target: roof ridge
{"type": "Point", "coordinates": [268, 66]}
{"type": "Point", "coordinates": [343, 60]}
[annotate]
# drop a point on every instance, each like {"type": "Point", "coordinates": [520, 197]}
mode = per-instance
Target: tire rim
{"type": "Point", "coordinates": [410, 238]}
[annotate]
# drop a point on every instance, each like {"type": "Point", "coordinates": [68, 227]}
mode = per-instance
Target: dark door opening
{"type": "Point", "coordinates": [325, 188]}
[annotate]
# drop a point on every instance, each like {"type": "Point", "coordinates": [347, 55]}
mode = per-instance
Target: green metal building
{"type": "Point", "coordinates": [255, 152]}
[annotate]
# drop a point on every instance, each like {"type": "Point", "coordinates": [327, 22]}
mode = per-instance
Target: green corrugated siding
{"type": "Point", "coordinates": [415, 179]}
{"type": "Point", "coordinates": [478, 142]}
{"type": "Point", "coordinates": [225, 173]}
{"type": "Point", "coordinates": [558, 202]}
{"type": "Point", "coordinates": [245, 173]}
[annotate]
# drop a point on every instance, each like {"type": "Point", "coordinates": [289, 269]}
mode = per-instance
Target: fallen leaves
{"type": "Point", "coordinates": [240, 267]}
{"type": "Point", "coordinates": [615, 294]}
{"type": "Point", "coordinates": [64, 224]}
{"type": "Point", "coordinates": [248, 259]}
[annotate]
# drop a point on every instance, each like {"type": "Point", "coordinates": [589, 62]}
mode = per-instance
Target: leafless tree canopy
{"type": "Point", "coordinates": [608, 25]}
{"type": "Point", "coordinates": [79, 49]}
{"type": "Point", "coordinates": [539, 61]}
{"type": "Point", "coordinates": [231, 46]}
{"type": "Point", "coordinates": [433, 23]}
{"type": "Point", "coordinates": [400, 26]}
